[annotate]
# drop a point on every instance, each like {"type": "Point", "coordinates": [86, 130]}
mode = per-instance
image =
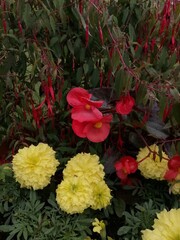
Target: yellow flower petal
{"type": "Point", "coordinates": [152, 166]}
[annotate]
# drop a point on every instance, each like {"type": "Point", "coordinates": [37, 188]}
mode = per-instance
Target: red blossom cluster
{"type": "Point", "coordinates": [125, 166]}
{"type": "Point", "coordinates": [88, 121]}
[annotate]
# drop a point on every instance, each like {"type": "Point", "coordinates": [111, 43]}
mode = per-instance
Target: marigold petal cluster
{"type": "Point", "coordinates": [101, 195]}
{"type": "Point", "coordinates": [33, 166]}
{"type": "Point", "coordinates": [74, 195]}
{"type": "Point", "coordinates": [150, 163]}
{"type": "Point", "coordinates": [83, 185]}
{"type": "Point", "coordinates": [166, 226]}
{"type": "Point", "coordinates": [85, 165]}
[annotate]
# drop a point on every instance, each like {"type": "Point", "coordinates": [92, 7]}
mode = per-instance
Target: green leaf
{"type": "Point", "coordinates": [175, 93]}
{"type": "Point", "coordinates": [53, 24]}
{"type": "Point", "coordinates": [94, 79]}
{"type": "Point", "coordinates": [132, 34]}
{"type": "Point", "coordinates": [156, 130]}
{"type": "Point", "coordinates": [175, 112]}
{"type": "Point", "coordinates": [123, 230]}
{"type": "Point", "coordinates": [121, 79]}
{"type": "Point", "coordinates": [119, 206]}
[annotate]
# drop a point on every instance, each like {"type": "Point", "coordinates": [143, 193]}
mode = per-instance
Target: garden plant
{"type": "Point", "coordinates": [89, 119]}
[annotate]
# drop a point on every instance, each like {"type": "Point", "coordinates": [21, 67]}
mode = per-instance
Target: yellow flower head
{"type": "Point", "coordinates": [85, 165]}
{"type": "Point", "coordinates": [152, 166]}
{"type": "Point", "coordinates": [33, 166]}
{"type": "Point", "coordinates": [166, 226]}
{"type": "Point", "coordinates": [98, 226]}
{"type": "Point", "coordinates": [74, 195]}
{"type": "Point", "coordinates": [101, 195]}
{"type": "Point", "coordinates": [175, 185]}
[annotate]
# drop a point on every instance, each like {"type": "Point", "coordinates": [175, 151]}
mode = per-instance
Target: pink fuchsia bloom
{"type": "Point", "coordinates": [84, 109]}
{"type": "Point", "coordinates": [125, 166]}
{"type": "Point", "coordinates": [125, 104]}
{"type": "Point", "coordinates": [95, 131]}
{"type": "Point", "coordinates": [174, 168]}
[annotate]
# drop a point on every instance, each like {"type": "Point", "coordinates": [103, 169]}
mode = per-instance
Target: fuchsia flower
{"type": "Point", "coordinates": [125, 104]}
{"type": "Point", "coordinates": [95, 131]}
{"type": "Point", "coordinates": [84, 109]}
{"type": "Point", "coordinates": [174, 168]}
{"type": "Point", "coordinates": [125, 166]}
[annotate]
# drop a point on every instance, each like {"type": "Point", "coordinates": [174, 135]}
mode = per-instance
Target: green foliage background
{"type": "Point", "coordinates": [108, 48]}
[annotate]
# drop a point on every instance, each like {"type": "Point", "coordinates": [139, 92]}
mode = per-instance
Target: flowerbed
{"type": "Point", "coordinates": [89, 120]}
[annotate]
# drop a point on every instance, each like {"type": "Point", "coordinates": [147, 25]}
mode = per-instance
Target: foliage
{"type": "Point", "coordinates": [113, 49]}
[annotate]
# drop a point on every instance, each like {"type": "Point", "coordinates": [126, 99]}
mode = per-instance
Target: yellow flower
{"type": "Point", "coordinates": [152, 166]}
{"type": "Point", "coordinates": [98, 225]}
{"type": "Point", "coordinates": [85, 165]}
{"type": "Point", "coordinates": [33, 166]}
{"type": "Point", "coordinates": [74, 195]}
{"type": "Point", "coordinates": [166, 226]}
{"type": "Point", "coordinates": [175, 185]}
{"type": "Point", "coordinates": [101, 195]}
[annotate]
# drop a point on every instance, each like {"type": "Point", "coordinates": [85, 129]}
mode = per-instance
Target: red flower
{"type": "Point", "coordinates": [84, 109]}
{"type": "Point", "coordinates": [174, 168]}
{"type": "Point", "coordinates": [126, 165]}
{"type": "Point", "coordinates": [95, 131]}
{"type": "Point", "coordinates": [125, 104]}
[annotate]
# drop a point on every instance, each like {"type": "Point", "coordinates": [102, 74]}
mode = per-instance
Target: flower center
{"type": "Point", "coordinates": [87, 107]}
{"type": "Point", "coordinates": [98, 125]}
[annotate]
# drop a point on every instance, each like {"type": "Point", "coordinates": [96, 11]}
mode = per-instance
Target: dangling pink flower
{"type": "Point", "coordinates": [84, 109]}
{"type": "Point", "coordinates": [174, 168]}
{"type": "Point", "coordinates": [95, 131]}
{"type": "Point", "coordinates": [125, 166]}
{"type": "Point", "coordinates": [125, 104]}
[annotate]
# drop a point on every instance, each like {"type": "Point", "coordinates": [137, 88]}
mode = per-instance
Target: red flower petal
{"type": "Point", "coordinates": [126, 165]}
{"type": "Point", "coordinates": [170, 175]}
{"type": "Point", "coordinates": [97, 134]}
{"type": "Point", "coordinates": [82, 114]}
{"type": "Point", "coordinates": [75, 95]}
{"type": "Point", "coordinates": [174, 163]}
{"type": "Point", "coordinates": [122, 174]}
{"type": "Point", "coordinates": [125, 105]}
{"type": "Point", "coordinates": [78, 128]}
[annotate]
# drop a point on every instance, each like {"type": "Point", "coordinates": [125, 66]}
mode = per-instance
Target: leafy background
{"type": "Point", "coordinates": [109, 48]}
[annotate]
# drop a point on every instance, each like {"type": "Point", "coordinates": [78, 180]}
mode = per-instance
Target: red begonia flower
{"type": "Point", "coordinates": [75, 96]}
{"type": "Point", "coordinates": [125, 104]}
{"type": "Point", "coordinates": [84, 109]}
{"type": "Point", "coordinates": [79, 97]}
{"type": "Point", "coordinates": [95, 131]}
{"type": "Point", "coordinates": [174, 168]}
{"type": "Point", "coordinates": [126, 165]}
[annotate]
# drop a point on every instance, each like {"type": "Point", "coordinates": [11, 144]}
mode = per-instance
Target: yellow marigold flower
{"type": "Point", "coordinates": [85, 165]}
{"type": "Point", "coordinates": [74, 195]}
{"type": "Point", "coordinates": [175, 185]}
{"type": "Point", "coordinates": [98, 225]}
{"type": "Point", "coordinates": [175, 188]}
{"type": "Point", "coordinates": [33, 166]}
{"type": "Point", "coordinates": [101, 195]}
{"type": "Point", "coordinates": [166, 226]}
{"type": "Point", "coordinates": [152, 166]}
